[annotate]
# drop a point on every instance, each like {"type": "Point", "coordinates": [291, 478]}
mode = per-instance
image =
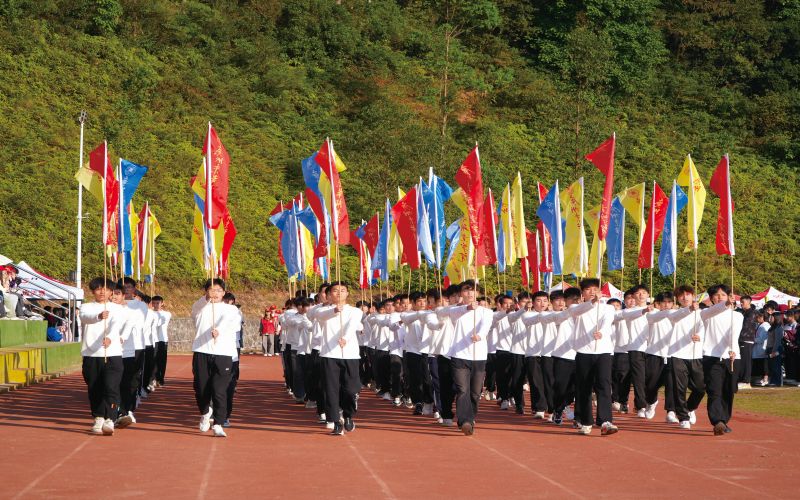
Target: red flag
{"type": "Point", "coordinates": [141, 232]}
{"type": "Point", "coordinates": [603, 159]}
{"type": "Point", "coordinates": [216, 182]}
{"type": "Point", "coordinates": [326, 159]}
{"type": "Point", "coordinates": [227, 243]}
{"type": "Point", "coordinates": [372, 234]}
{"type": "Point", "coordinates": [321, 248]}
{"type": "Point", "coordinates": [404, 214]}
{"type": "Point", "coordinates": [99, 162]}
{"type": "Point", "coordinates": [532, 261]}
{"type": "Point", "coordinates": [278, 209]}
{"type": "Point", "coordinates": [721, 184]}
{"type": "Point", "coordinates": [470, 180]}
{"type": "Point", "coordinates": [655, 224]}
{"type": "Point", "coordinates": [486, 251]}
{"type": "Point", "coordinates": [546, 260]}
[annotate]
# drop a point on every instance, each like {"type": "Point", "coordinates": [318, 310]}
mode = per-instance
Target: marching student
{"type": "Point", "coordinates": [389, 351]}
{"type": "Point", "coordinates": [280, 343]}
{"type": "Point", "coordinates": [415, 361]}
{"type": "Point", "coordinates": [230, 299]}
{"type": "Point", "coordinates": [468, 353]}
{"type": "Point", "coordinates": [621, 371]}
{"type": "Point", "coordinates": [304, 327]}
{"type": "Point", "coordinates": [637, 344]}
{"type": "Point", "coordinates": [442, 331]}
{"type": "Point", "coordinates": [563, 353]}
{"type": "Point", "coordinates": [433, 300]}
{"type": "Point", "coordinates": [364, 338]}
{"type": "Point", "coordinates": [149, 330]}
{"type": "Point", "coordinates": [214, 348]}
{"type": "Point", "coordinates": [315, 391]}
{"type": "Point", "coordinates": [339, 354]}
{"type": "Point", "coordinates": [519, 346]}
{"type": "Point", "coordinates": [101, 347]}
{"type": "Point", "coordinates": [140, 312]}
{"type": "Point", "coordinates": [501, 335]}
{"type": "Point", "coordinates": [658, 368]}
{"type": "Point", "coordinates": [686, 353]}
{"type": "Point", "coordinates": [296, 387]}
{"type": "Point", "coordinates": [721, 356]}
{"type": "Point", "coordinates": [128, 387]}
{"type": "Point", "coordinates": [594, 349]}
{"type": "Point", "coordinates": [538, 355]}
{"type": "Point", "coordinates": [490, 382]}
{"type": "Point", "coordinates": [162, 338]}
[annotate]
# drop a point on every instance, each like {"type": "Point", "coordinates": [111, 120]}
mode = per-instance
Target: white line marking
{"type": "Point", "coordinates": [52, 469]}
{"type": "Point", "coordinates": [525, 467]}
{"type": "Point", "coordinates": [384, 487]}
{"type": "Point", "coordinates": [201, 492]}
{"type": "Point", "coordinates": [695, 471]}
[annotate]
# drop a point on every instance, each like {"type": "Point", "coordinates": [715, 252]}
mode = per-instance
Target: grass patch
{"type": "Point", "coordinates": [778, 402]}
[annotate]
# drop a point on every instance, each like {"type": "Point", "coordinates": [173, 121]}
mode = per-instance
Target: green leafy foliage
{"type": "Point", "coordinates": [537, 84]}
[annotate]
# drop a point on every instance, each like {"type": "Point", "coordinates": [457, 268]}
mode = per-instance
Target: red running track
{"type": "Point", "coordinates": [275, 449]}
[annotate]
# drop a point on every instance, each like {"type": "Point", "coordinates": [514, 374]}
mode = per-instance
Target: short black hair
{"type": "Point", "coordinates": [415, 296]}
{"type": "Point", "coordinates": [145, 298]}
{"type": "Point", "coordinates": [664, 297]}
{"type": "Point", "coordinates": [713, 289]}
{"type": "Point", "coordinates": [683, 289]}
{"type": "Point", "coordinates": [216, 281]}
{"type": "Point", "coordinates": [323, 286]}
{"type": "Point", "coordinates": [157, 298]}
{"type": "Point", "coordinates": [301, 293]}
{"type": "Point", "coordinates": [400, 296]}
{"type": "Point", "coordinates": [452, 290]}
{"type": "Point", "coordinates": [523, 295]}
{"type": "Point", "coordinates": [614, 301]}
{"type": "Point", "coordinates": [101, 283]}
{"type": "Point", "coordinates": [433, 294]}
{"type": "Point", "coordinates": [556, 294]}
{"type": "Point", "coordinates": [127, 280]}
{"type": "Point", "coordinates": [304, 302]}
{"type": "Point", "coordinates": [339, 283]}
{"type": "Point", "coordinates": [638, 287]}
{"type": "Point", "coordinates": [467, 285]}
{"type": "Point", "coordinates": [589, 282]}
{"type": "Point", "coordinates": [229, 296]}
{"type": "Point", "coordinates": [538, 294]}
{"type": "Point", "coordinates": [746, 297]}
{"type": "Point", "coordinates": [572, 293]}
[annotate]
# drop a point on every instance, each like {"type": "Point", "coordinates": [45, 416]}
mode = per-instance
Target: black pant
{"type": "Point", "coordinates": [491, 372]}
{"type": "Point", "coordinates": [746, 373]}
{"type": "Point", "coordinates": [658, 374]}
{"type": "Point", "coordinates": [636, 360]}
{"type": "Point", "coordinates": [516, 379]}
{"type": "Point", "coordinates": [309, 379]}
{"type": "Point", "coordinates": [446, 386]}
{"type": "Point", "coordinates": [533, 368]}
{"type": "Point", "coordinates": [232, 386]}
{"type": "Point", "coordinates": [720, 387]}
{"type": "Point", "coordinates": [433, 373]}
{"type": "Point", "coordinates": [396, 375]}
{"type": "Point", "coordinates": [212, 375]}
{"type": "Point", "coordinates": [621, 378]}
{"type": "Point", "coordinates": [382, 370]}
{"type": "Point", "coordinates": [149, 365]}
{"type": "Point", "coordinates": [593, 372]}
{"type": "Point", "coordinates": [364, 366]}
{"type": "Point", "coordinates": [288, 368]}
{"type": "Point", "coordinates": [419, 385]}
{"type": "Point", "coordinates": [502, 367]}
{"type": "Point", "coordinates": [129, 383]}
{"type": "Point", "coordinates": [298, 377]}
{"type": "Point", "coordinates": [161, 361]}
{"type": "Point", "coordinates": [102, 377]}
{"type": "Point", "coordinates": [341, 386]}
{"type": "Point", "coordinates": [563, 383]}
{"type": "Point", "coordinates": [687, 374]}
{"type": "Point", "coordinates": [468, 383]}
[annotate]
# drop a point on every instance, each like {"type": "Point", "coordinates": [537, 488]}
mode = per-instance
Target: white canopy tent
{"type": "Point", "coordinates": [36, 285]}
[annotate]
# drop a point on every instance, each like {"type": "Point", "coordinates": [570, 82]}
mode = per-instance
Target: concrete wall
{"type": "Point", "coordinates": [181, 334]}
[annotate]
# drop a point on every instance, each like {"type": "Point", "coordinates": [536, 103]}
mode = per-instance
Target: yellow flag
{"type": "Point", "coordinates": [459, 267]}
{"type": "Point", "coordinates": [199, 184]}
{"type": "Point", "coordinates": [197, 243]}
{"type": "Point", "coordinates": [697, 199]}
{"type": "Point", "coordinates": [91, 181]}
{"type": "Point", "coordinates": [632, 200]}
{"type": "Point", "coordinates": [518, 218]}
{"type": "Point", "coordinates": [395, 245]}
{"type": "Point", "coordinates": [308, 249]}
{"type": "Point", "coordinates": [133, 220]}
{"type": "Point", "coordinates": [459, 200]}
{"type": "Point", "coordinates": [576, 258]}
{"type": "Point", "coordinates": [595, 264]}
{"type": "Point", "coordinates": [507, 222]}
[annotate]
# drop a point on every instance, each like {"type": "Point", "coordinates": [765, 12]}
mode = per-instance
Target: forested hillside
{"type": "Point", "coordinates": [400, 86]}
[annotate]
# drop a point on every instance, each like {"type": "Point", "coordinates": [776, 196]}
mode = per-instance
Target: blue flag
{"type": "Point", "coordinates": [424, 242]}
{"type": "Point", "coordinates": [130, 176]}
{"type": "Point", "coordinates": [669, 238]}
{"type": "Point", "coordinates": [550, 214]}
{"type": "Point", "coordinates": [435, 193]}
{"type": "Point", "coordinates": [380, 261]}
{"type": "Point", "coordinates": [615, 239]}
{"type": "Point", "coordinates": [453, 233]}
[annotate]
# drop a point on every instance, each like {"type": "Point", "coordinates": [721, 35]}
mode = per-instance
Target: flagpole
{"type": "Point", "coordinates": [103, 246]}
{"type": "Point", "coordinates": [209, 209]}
{"type": "Point", "coordinates": [120, 223]}
{"type": "Point", "coordinates": [732, 309]}
{"type": "Point", "coordinates": [79, 249]}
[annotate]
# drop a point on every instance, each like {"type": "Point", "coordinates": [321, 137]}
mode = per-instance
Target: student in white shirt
{"type": "Point", "coordinates": [230, 299]}
{"type": "Point", "coordinates": [315, 392]}
{"type": "Point", "coordinates": [416, 361]}
{"type": "Point", "coordinates": [563, 354]}
{"type": "Point", "coordinates": [502, 335]}
{"type": "Point", "coordinates": [139, 311]}
{"type": "Point", "coordinates": [539, 348]}
{"type": "Point", "coordinates": [472, 323]}
{"type": "Point", "coordinates": [150, 321]}
{"type": "Point", "coordinates": [593, 342]}
{"type": "Point", "coordinates": [101, 347]}
{"type": "Point", "coordinates": [658, 368]}
{"type": "Point", "coordinates": [442, 330]}
{"type": "Point", "coordinates": [721, 356]}
{"type": "Point", "coordinates": [128, 387]}
{"type": "Point", "coordinates": [162, 338]}
{"type": "Point", "coordinates": [621, 371]}
{"type": "Point", "coordinates": [518, 349]}
{"type": "Point", "coordinates": [637, 343]}
{"type": "Point", "coordinates": [214, 348]}
{"type": "Point", "coordinates": [338, 352]}
{"type": "Point", "coordinates": [303, 326]}
{"type": "Point", "coordinates": [389, 353]}
{"type": "Point", "coordinates": [364, 339]}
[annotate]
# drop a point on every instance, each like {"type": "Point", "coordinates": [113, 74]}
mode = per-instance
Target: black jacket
{"type": "Point", "coordinates": [749, 326]}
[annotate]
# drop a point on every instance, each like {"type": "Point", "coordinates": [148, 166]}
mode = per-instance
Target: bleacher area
{"type": "Point", "coordinates": [27, 358]}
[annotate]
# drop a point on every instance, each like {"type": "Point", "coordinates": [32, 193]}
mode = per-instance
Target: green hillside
{"type": "Point", "coordinates": [537, 84]}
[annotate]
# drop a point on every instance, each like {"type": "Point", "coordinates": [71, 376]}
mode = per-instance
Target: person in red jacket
{"type": "Point", "coordinates": [267, 331]}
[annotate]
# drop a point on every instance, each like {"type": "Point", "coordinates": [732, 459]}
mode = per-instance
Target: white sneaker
{"type": "Point", "coordinates": [219, 431]}
{"type": "Point", "coordinates": [539, 415]}
{"type": "Point", "coordinates": [511, 402]}
{"type": "Point", "coordinates": [526, 388]}
{"type": "Point", "coordinates": [651, 411]}
{"type": "Point", "coordinates": [437, 415]}
{"type": "Point", "coordinates": [386, 396]}
{"type": "Point", "coordinates": [642, 413]}
{"type": "Point", "coordinates": [124, 421]}
{"type": "Point", "coordinates": [97, 428]}
{"type": "Point", "coordinates": [266, 355]}
{"type": "Point", "coordinates": [108, 427]}
{"type": "Point", "coordinates": [504, 405]}
{"type": "Point", "coordinates": [447, 422]}
{"type": "Point", "coordinates": [494, 397]}
{"type": "Point", "coordinates": [329, 425]}
{"type": "Point", "coordinates": [692, 417]}
{"type": "Point", "coordinates": [487, 396]}
{"type": "Point", "coordinates": [205, 421]}
{"type": "Point", "coordinates": [585, 430]}
{"type": "Point", "coordinates": [608, 428]}
{"type": "Point", "coordinates": [439, 420]}
{"type": "Point", "coordinates": [133, 419]}
{"type": "Point", "coordinates": [671, 417]}
{"type": "Point", "coordinates": [616, 406]}
{"type": "Point", "coordinates": [396, 401]}
{"type": "Point", "coordinates": [427, 409]}
{"type": "Point", "coordinates": [686, 425]}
